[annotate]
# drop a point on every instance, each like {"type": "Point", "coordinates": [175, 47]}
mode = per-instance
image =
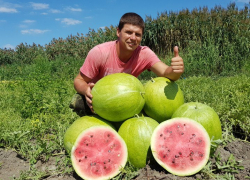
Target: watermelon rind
{"type": "Point", "coordinates": [137, 133]}
{"type": "Point", "coordinates": [122, 157]}
{"type": "Point", "coordinates": [117, 97]}
{"type": "Point", "coordinates": [188, 169]}
{"type": "Point", "coordinates": [78, 126]}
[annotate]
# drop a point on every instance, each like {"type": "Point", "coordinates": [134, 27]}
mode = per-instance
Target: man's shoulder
{"type": "Point", "coordinates": [102, 51]}
{"type": "Point", "coordinates": [144, 50]}
{"type": "Point", "coordinates": [106, 44]}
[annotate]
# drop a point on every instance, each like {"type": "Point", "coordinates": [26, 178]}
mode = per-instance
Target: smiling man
{"type": "Point", "coordinates": [123, 55]}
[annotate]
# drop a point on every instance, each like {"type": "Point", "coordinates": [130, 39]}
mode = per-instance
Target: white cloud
{"type": "Point", "coordinates": [55, 11]}
{"type": "Point", "coordinates": [75, 9]}
{"type": "Point", "coordinates": [34, 31]}
{"type": "Point", "coordinates": [38, 6]}
{"type": "Point", "coordinates": [44, 13]}
{"type": "Point", "coordinates": [7, 10]}
{"type": "Point", "coordinates": [9, 46]}
{"type": "Point", "coordinates": [29, 21]}
{"type": "Point", "coordinates": [69, 21]}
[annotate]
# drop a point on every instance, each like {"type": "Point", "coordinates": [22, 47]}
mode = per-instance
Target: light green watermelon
{"type": "Point", "coordinates": [162, 98]}
{"type": "Point", "coordinates": [203, 114]}
{"type": "Point", "coordinates": [117, 97]}
{"type": "Point", "coordinates": [136, 133]}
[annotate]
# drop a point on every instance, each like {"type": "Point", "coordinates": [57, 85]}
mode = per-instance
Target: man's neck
{"type": "Point", "coordinates": [123, 55]}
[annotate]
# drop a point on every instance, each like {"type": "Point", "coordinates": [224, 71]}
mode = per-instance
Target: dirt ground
{"type": "Point", "coordinates": [11, 165]}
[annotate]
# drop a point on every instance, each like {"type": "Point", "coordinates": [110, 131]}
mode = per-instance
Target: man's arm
{"type": "Point", "coordinates": [82, 86]}
{"type": "Point", "coordinates": [174, 71]}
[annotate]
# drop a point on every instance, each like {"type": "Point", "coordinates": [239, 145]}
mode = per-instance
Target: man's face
{"type": "Point", "coordinates": [129, 37]}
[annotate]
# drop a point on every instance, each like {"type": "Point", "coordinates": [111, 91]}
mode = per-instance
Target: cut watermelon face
{"type": "Point", "coordinates": [99, 153]}
{"type": "Point", "coordinates": [181, 146]}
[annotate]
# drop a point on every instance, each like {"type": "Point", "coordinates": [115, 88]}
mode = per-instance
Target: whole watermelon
{"type": "Point", "coordinates": [118, 96]}
{"type": "Point", "coordinates": [203, 114]}
{"type": "Point", "coordinates": [137, 133]}
{"type": "Point", "coordinates": [162, 98]}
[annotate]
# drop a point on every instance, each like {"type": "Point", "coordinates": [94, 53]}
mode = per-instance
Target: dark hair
{"type": "Point", "coordinates": [131, 18]}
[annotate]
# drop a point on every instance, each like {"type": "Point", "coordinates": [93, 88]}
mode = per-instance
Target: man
{"type": "Point", "coordinates": [123, 55]}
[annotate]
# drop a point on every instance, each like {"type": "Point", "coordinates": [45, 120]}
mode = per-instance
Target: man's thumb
{"type": "Point", "coordinates": [91, 85]}
{"type": "Point", "coordinates": [176, 51]}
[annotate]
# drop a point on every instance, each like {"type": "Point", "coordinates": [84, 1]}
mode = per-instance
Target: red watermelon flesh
{"type": "Point", "coordinates": [99, 153]}
{"type": "Point", "coordinates": [181, 146]}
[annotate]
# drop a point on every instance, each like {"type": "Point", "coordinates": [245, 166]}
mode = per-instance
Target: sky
{"type": "Point", "coordinates": [32, 21]}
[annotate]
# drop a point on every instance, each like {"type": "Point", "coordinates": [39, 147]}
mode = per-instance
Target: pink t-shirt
{"type": "Point", "coordinates": [103, 60]}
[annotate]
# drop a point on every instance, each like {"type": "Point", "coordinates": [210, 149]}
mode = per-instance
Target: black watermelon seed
{"type": "Point", "coordinates": [92, 164]}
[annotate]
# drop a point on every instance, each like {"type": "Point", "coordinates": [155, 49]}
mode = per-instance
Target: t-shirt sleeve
{"type": "Point", "coordinates": [150, 58]}
{"type": "Point", "coordinates": [91, 65]}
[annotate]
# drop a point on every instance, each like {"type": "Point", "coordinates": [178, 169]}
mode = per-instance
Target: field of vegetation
{"type": "Point", "coordinates": [36, 85]}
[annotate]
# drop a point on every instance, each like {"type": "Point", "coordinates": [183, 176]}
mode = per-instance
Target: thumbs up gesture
{"type": "Point", "coordinates": [177, 62]}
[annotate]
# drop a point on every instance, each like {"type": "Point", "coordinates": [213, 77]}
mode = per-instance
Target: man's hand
{"type": "Point", "coordinates": [177, 62]}
{"type": "Point", "coordinates": [89, 96]}
{"type": "Point", "coordinates": [174, 71]}
{"type": "Point", "coordinates": [84, 86]}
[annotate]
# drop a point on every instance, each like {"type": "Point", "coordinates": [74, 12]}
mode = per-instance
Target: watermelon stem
{"type": "Point", "coordinates": [136, 115]}
{"type": "Point", "coordinates": [142, 94]}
